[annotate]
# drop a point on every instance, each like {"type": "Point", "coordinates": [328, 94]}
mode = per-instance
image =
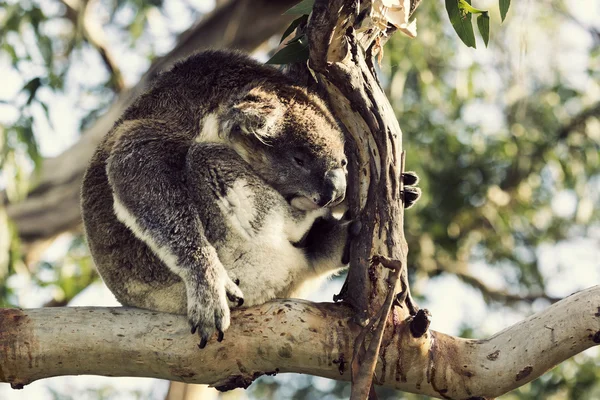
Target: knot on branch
{"type": "Point", "coordinates": [243, 381]}
{"type": "Point", "coordinates": [419, 323]}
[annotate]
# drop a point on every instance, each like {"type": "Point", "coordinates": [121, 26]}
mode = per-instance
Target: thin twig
{"type": "Point", "coordinates": [501, 295]}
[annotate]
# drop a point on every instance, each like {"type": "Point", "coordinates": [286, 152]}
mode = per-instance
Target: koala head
{"type": "Point", "coordinates": [292, 141]}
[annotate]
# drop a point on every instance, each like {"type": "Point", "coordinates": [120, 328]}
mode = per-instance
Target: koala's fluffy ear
{"type": "Point", "coordinates": [257, 112]}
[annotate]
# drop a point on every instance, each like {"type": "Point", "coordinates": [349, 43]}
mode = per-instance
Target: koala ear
{"type": "Point", "coordinates": [256, 112]}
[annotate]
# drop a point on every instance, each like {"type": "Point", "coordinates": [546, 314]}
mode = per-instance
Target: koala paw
{"type": "Point", "coordinates": [411, 193]}
{"type": "Point", "coordinates": [208, 309]}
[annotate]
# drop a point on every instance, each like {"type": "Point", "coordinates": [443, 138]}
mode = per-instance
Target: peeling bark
{"type": "Point", "coordinates": [290, 336]}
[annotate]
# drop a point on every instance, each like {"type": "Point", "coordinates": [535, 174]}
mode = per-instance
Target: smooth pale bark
{"type": "Point", "coordinates": [52, 207]}
{"type": "Point", "coordinates": [290, 336]}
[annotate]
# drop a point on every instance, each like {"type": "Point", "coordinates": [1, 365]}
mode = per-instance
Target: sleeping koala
{"type": "Point", "coordinates": [207, 187]}
{"type": "Point", "coordinates": [212, 176]}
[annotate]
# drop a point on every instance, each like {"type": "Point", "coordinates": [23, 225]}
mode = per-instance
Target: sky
{"type": "Point", "coordinates": [448, 297]}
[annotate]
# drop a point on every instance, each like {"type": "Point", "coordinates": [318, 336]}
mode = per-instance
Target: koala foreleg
{"type": "Point", "coordinates": [146, 170]}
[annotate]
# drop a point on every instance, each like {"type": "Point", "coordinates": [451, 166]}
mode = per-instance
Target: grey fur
{"type": "Point", "coordinates": [200, 184]}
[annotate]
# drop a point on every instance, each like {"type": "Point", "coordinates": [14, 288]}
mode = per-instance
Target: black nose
{"type": "Point", "coordinates": [334, 187]}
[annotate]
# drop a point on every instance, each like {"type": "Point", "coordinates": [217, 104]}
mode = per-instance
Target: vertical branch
{"type": "Point", "coordinates": [341, 54]}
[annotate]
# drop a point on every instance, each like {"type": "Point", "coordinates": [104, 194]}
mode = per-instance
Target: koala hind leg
{"type": "Point", "coordinates": [146, 170]}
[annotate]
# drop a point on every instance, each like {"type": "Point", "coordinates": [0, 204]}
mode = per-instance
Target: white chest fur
{"type": "Point", "coordinates": [259, 250]}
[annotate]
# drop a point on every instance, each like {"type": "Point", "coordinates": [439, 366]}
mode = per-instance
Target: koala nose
{"type": "Point", "coordinates": [334, 187]}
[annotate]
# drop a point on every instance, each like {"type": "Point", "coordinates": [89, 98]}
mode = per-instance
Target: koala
{"type": "Point", "coordinates": [205, 190]}
{"type": "Point", "coordinates": [215, 189]}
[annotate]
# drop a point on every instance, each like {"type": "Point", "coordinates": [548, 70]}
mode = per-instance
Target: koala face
{"type": "Point", "coordinates": [293, 142]}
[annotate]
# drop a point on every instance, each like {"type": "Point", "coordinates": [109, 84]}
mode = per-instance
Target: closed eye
{"type": "Point", "coordinates": [299, 161]}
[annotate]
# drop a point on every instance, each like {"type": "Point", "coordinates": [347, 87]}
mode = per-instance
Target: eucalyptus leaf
{"type": "Point", "coordinates": [504, 5]}
{"type": "Point", "coordinates": [25, 134]}
{"type": "Point", "coordinates": [293, 26]}
{"type": "Point", "coordinates": [483, 23]}
{"type": "Point", "coordinates": [31, 87]}
{"type": "Point", "coordinates": [297, 38]}
{"type": "Point", "coordinates": [12, 19]}
{"type": "Point", "coordinates": [36, 17]}
{"type": "Point", "coordinates": [303, 8]}
{"type": "Point", "coordinates": [46, 50]}
{"type": "Point", "coordinates": [291, 53]}
{"type": "Point", "coordinates": [465, 5]}
{"type": "Point", "coordinates": [461, 22]}
{"type": "Point", "coordinates": [46, 113]}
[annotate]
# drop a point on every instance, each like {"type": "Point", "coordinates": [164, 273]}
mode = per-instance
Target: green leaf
{"type": "Point", "coordinates": [293, 26]}
{"type": "Point", "coordinates": [136, 28]}
{"type": "Point", "coordinates": [31, 87]}
{"type": "Point", "coordinates": [504, 5]}
{"type": "Point", "coordinates": [483, 23]}
{"type": "Point", "coordinates": [463, 4]}
{"type": "Point", "coordinates": [303, 8]}
{"type": "Point", "coordinates": [12, 19]}
{"type": "Point", "coordinates": [36, 17]}
{"type": "Point", "coordinates": [25, 135]}
{"type": "Point", "coordinates": [461, 22]}
{"type": "Point", "coordinates": [45, 48]}
{"type": "Point", "coordinates": [46, 112]}
{"type": "Point", "coordinates": [291, 53]}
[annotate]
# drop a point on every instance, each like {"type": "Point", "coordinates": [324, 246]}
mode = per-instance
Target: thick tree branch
{"type": "Point", "coordinates": [53, 206]}
{"type": "Point", "coordinates": [290, 336]}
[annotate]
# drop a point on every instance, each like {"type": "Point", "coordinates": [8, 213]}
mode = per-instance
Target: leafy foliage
{"type": "Point", "coordinates": [296, 49]}
{"type": "Point", "coordinates": [460, 11]}
{"type": "Point", "coordinates": [303, 8]}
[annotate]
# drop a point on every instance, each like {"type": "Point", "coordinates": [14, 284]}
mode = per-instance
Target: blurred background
{"type": "Point", "coordinates": [506, 140]}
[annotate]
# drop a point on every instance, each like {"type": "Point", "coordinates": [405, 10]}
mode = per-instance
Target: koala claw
{"type": "Point", "coordinates": [234, 299]}
{"type": "Point", "coordinates": [208, 310]}
{"type": "Point", "coordinates": [411, 193]}
{"type": "Point", "coordinates": [410, 178]}
{"type": "Point", "coordinates": [233, 293]}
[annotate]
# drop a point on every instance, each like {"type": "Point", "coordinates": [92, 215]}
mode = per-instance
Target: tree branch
{"type": "Point", "coordinates": [501, 295]}
{"type": "Point", "coordinates": [459, 269]}
{"type": "Point", "coordinates": [94, 34]}
{"type": "Point", "coordinates": [290, 336]}
{"type": "Point", "coordinates": [52, 206]}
